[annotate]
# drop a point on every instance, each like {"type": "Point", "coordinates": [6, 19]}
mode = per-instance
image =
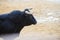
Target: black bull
{"type": "Point", "coordinates": [15, 21]}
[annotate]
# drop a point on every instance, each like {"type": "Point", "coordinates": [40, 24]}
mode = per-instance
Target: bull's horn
{"type": "Point", "coordinates": [28, 10]}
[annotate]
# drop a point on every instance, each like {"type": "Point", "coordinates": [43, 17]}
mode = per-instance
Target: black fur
{"type": "Point", "coordinates": [15, 21]}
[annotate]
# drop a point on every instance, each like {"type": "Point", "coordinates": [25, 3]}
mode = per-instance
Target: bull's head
{"type": "Point", "coordinates": [29, 19]}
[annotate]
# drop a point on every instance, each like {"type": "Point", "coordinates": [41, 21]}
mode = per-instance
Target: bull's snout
{"type": "Point", "coordinates": [35, 22]}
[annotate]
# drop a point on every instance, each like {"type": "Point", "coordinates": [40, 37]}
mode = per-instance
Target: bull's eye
{"type": "Point", "coordinates": [26, 15]}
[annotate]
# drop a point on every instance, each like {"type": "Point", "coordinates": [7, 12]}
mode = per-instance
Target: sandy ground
{"type": "Point", "coordinates": [47, 14]}
{"type": "Point", "coordinates": [48, 31]}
